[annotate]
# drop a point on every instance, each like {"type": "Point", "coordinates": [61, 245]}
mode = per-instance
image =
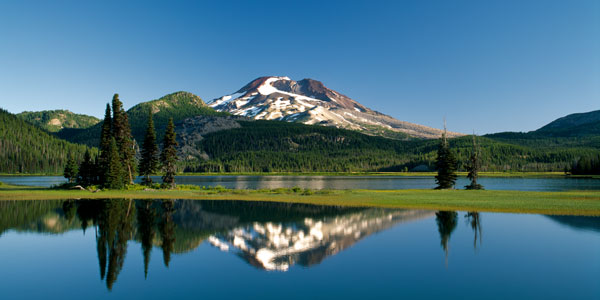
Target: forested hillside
{"type": "Point", "coordinates": [581, 129]}
{"type": "Point", "coordinates": [179, 106]}
{"type": "Point", "coordinates": [55, 120]}
{"type": "Point", "coordinates": [271, 146]}
{"type": "Point", "coordinates": [25, 148]}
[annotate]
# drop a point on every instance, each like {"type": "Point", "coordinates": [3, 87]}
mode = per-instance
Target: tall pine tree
{"type": "Point", "coordinates": [149, 162]}
{"type": "Point", "coordinates": [115, 173]}
{"type": "Point", "coordinates": [86, 170]}
{"type": "Point", "coordinates": [105, 138]}
{"type": "Point", "coordinates": [168, 155]}
{"type": "Point", "coordinates": [473, 168]}
{"type": "Point", "coordinates": [71, 170]}
{"type": "Point", "coordinates": [446, 164]}
{"type": "Point", "coordinates": [122, 133]}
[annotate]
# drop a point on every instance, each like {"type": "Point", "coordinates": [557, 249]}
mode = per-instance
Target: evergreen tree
{"type": "Point", "coordinates": [473, 168]}
{"type": "Point", "coordinates": [71, 170]}
{"type": "Point", "coordinates": [105, 141]}
{"type": "Point", "coordinates": [121, 130]}
{"type": "Point", "coordinates": [86, 170]}
{"type": "Point", "coordinates": [168, 155]}
{"type": "Point", "coordinates": [446, 164]}
{"type": "Point", "coordinates": [115, 173]}
{"type": "Point", "coordinates": [149, 162]}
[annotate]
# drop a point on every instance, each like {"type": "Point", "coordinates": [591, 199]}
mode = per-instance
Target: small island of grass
{"type": "Point", "coordinates": [558, 203]}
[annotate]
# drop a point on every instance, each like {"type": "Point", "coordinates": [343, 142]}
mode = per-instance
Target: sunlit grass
{"type": "Point", "coordinates": [566, 203]}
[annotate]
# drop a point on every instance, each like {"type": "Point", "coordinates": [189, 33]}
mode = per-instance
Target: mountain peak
{"type": "Point", "coordinates": [309, 101]}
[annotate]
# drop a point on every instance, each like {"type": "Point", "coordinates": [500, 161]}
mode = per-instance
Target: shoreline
{"type": "Point", "coordinates": [374, 174]}
{"type": "Point", "coordinates": [584, 203]}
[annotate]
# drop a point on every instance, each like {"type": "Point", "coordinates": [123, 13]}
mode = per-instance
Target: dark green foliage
{"type": "Point", "coordinates": [273, 146]}
{"type": "Point", "coordinates": [587, 165]}
{"type": "Point", "coordinates": [168, 155]}
{"type": "Point", "coordinates": [446, 165]}
{"type": "Point", "coordinates": [113, 178]}
{"type": "Point", "coordinates": [87, 171]}
{"type": "Point", "coordinates": [105, 143]}
{"type": "Point", "coordinates": [121, 131]}
{"type": "Point", "coordinates": [55, 120]}
{"type": "Point", "coordinates": [473, 167]}
{"type": "Point", "coordinates": [149, 163]}
{"type": "Point", "coordinates": [25, 148]}
{"type": "Point", "coordinates": [71, 170]}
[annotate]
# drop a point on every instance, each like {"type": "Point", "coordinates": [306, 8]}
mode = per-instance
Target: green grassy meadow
{"type": "Point", "coordinates": [558, 203]}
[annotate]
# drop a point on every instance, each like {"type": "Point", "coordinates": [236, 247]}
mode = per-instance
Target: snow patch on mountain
{"type": "Point", "coordinates": [310, 102]}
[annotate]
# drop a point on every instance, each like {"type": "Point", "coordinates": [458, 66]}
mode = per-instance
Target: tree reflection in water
{"type": "Point", "coordinates": [474, 219]}
{"type": "Point", "coordinates": [146, 219]}
{"type": "Point", "coordinates": [269, 236]}
{"type": "Point", "coordinates": [446, 222]}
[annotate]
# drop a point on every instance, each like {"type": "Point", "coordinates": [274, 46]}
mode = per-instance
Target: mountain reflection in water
{"type": "Point", "coordinates": [267, 235]}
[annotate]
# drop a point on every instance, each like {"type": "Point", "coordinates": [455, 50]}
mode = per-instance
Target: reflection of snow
{"type": "Point", "coordinates": [276, 246]}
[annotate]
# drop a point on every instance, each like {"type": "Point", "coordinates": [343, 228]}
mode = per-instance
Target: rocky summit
{"type": "Point", "coordinates": [309, 101]}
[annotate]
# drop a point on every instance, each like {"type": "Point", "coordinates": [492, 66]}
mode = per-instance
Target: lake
{"type": "Point", "coordinates": [190, 249]}
{"type": "Point", "coordinates": [350, 182]}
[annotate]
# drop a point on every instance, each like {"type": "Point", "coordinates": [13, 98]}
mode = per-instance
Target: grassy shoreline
{"type": "Point", "coordinates": [407, 174]}
{"type": "Point", "coordinates": [586, 203]}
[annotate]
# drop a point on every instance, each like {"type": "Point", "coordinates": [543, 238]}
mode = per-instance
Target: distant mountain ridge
{"type": "Point", "coordinates": [55, 120]}
{"type": "Point", "coordinates": [576, 125]}
{"type": "Point", "coordinates": [309, 102]}
{"type": "Point", "coordinates": [178, 105]}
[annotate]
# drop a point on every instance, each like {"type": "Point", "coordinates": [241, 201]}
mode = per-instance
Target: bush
{"type": "Point", "coordinates": [307, 192]}
{"type": "Point", "coordinates": [188, 187]}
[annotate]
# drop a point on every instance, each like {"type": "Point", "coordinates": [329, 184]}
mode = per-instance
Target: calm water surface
{"type": "Point", "coordinates": [130, 249]}
{"type": "Point", "coordinates": [350, 182]}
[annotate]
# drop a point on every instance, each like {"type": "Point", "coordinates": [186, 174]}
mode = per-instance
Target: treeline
{"type": "Point", "coordinates": [587, 165]}
{"type": "Point", "coordinates": [27, 149]}
{"type": "Point", "coordinates": [116, 166]}
{"type": "Point", "coordinates": [271, 146]}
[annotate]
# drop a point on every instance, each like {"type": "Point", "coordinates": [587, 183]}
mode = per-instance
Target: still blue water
{"type": "Point", "coordinates": [350, 182]}
{"type": "Point", "coordinates": [230, 249]}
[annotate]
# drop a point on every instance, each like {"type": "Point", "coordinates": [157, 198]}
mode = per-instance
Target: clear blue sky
{"type": "Point", "coordinates": [487, 66]}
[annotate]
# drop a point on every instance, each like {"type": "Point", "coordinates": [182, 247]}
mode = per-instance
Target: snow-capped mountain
{"type": "Point", "coordinates": [310, 102]}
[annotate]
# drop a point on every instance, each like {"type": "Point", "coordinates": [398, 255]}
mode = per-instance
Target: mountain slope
{"type": "Point", "coordinates": [26, 148]}
{"type": "Point", "coordinates": [179, 106]}
{"type": "Point", "coordinates": [55, 120]}
{"type": "Point", "coordinates": [581, 130]}
{"type": "Point", "coordinates": [573, 120]}
{"type": "Point", "coordinates": [235, 144]}
{"type": "Point", "coordinates": [310, 102]}
{"type": "Point", "coordinates": [579, 124]}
